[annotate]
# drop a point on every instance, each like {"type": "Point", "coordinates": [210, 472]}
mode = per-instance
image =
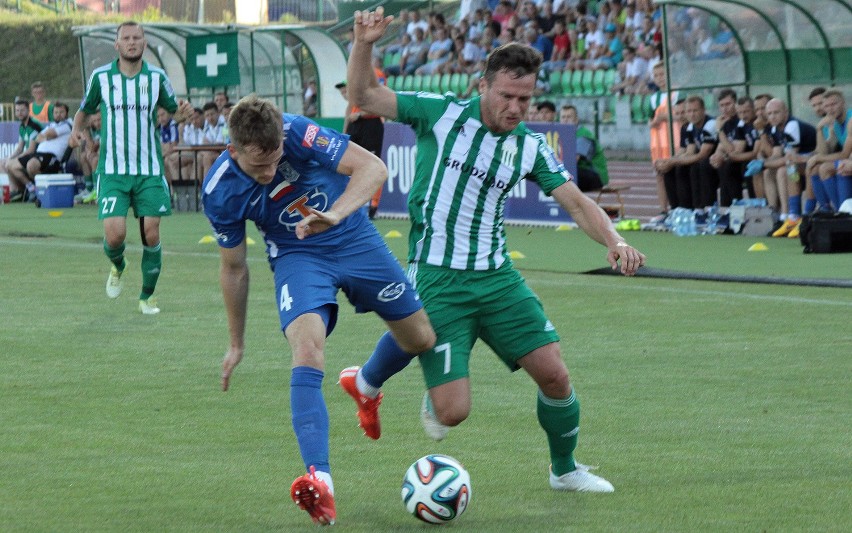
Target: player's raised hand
{"type": "Point", "coordinates": [232, 358]}
{"type": "Point", "coordinates": [316, 222]}
{"type": "Point", "coordinates": [370, 25]}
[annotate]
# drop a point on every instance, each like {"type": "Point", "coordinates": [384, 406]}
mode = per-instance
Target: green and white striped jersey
{"type": "Point", "coordinates": [29, 131]}
{"type": "Point", "coordinates": [128, 107]}
{"type": "Point", "coordinates": [463, 174]}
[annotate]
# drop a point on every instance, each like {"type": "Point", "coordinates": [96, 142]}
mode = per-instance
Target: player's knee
{"type": "Point", "coordinates": [422, 340]}
{"type": "Point", "coordinates": [453, 415]}
{"type": "Point", "coordinates": [556, 384]}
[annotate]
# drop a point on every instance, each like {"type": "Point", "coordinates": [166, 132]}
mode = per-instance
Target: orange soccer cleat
{"type": "Point", "coordinates": [368, 408]}
{"type": "Point", "coordinates": [312, 494]}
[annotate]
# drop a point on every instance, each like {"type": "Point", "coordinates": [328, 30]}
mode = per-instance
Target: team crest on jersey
{"type": "Point", "coordinates": [310, 135]}
{"type": "Point", "coordinates": [288, 171]}
{"type": "Point", "coordinates": [322, 141]}
{"type": "Point", "coordinates": [508, 153]}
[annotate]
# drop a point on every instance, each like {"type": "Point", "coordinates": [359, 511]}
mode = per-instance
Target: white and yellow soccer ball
{"type": "Point", "coordinates": [436, 489]}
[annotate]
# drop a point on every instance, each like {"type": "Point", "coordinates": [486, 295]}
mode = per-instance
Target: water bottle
{"type": "Point", "coordinates": [691, 223]}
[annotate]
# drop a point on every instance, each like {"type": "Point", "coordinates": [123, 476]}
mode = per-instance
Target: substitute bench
{"type": "Point", "coordinates": [617, 207]}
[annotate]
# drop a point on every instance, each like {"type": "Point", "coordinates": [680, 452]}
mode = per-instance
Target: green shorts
{"type": "Point", "coordinates": [463, 305]}
{"type": "Point", "coordinates": [149, 196]}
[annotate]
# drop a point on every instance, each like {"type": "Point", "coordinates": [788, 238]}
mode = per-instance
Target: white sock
{"type": "Point", "coordinates": [325, 476]}
{"type": "Point", "coordinates": [365, 388]}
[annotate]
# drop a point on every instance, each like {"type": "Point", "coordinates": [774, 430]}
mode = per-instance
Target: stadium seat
{"type": "Point", "coordinates": [556, 82]}
{"type": "Point", "coordinates": [610, 76]}
{"type": "Point", "coordinates": [577, 83]}
{"type": "Point", "coordinates": [455, 85]}
{"type": "Point", "coordinates": [464, 81]}
{"type": "Point", "coordinates": [588, 83]}
{"type": "Point", "coordinates": [417, 82]}
{"type": "Point", "coordinates": [598, 86]}
{"type": "Point", "coordinates": [566, 82]}
{"type": "Point", "coordinates": [408, 83]}
{"type": "Point", "coordinates": [391, 83]}
{"type": "Point", "coordinates": [434, 83]}
{"type": "Point", "coordinates": [444, 84]}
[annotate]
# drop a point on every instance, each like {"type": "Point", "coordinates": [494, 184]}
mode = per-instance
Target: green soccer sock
{"type": "Point", "coordinates": [560, 419]}
{"type": "Point", "coordinates": [116, 255]}
{"type": "Point", "coordinates": [90, 184]}
{"type": "Point", "coordinates": [152, 262]}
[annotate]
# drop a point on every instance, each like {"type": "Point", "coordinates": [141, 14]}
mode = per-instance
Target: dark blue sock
{"type": "Point", "coordinates": [810, 205]}
{"type": "Point", "coordinates": [794, 205]}
{"type": "Point", "coordinates": [387, 360]}
{"type": "Point", "coordinates": [820, 193]}
{"type": "Point", "coordinates": [310, 416]}
{"type": "Point", "coordinates": [844, 188]}
{"type": "Point", "coordinates": [830, 186]}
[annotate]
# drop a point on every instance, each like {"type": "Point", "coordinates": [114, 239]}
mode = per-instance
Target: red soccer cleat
{"type": "Point", "coordinates": [311, 494]}
{"type": "Point", "coordinates": [368, 408]}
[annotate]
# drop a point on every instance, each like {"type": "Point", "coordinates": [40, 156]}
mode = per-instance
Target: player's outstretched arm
{"type": "Point", "coordinates": [234, 279]}
{"type": "Point", "coordinates": [363, 89]}
{"type": "Point", "coordinates": [597, 225]}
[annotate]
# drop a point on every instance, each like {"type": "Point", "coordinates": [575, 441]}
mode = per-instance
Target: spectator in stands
{"type": "Point", "coordinates": [309, 106]}
{"type": "Point", "coordinates": [815, 98]}
{"type": "Point", "coordinates": [592, 173]}
{"type": "Point", "coordinates": [439, 52]}
{"type": "Point", "coordinates": [220, 99]}
{"type": "Point", "coordinates": [833, 146]}
{"type": "Point", "coordinates": [663, 138]}
{"type": "Point", "coordinates": [613, 50]}
{"type": "Point", "coordinates": [213, 126]}
{"type": "Point", "coordinates": [591, 45]}
{"type": "Point", "coordinates": [88, 151]}
{"type": "Point", "coordinates": [633, 72]}
{"type": "Point", "coordinates": [502, 13]}
{"type": "Point", "coordinates": [730, 172]}
{"type": "Point", "coordinates": [23, 187]}
{"type": "Point", "coordinates": [193, 135]}
{"type": "Point", "coordinates": [696, 186]}
{"type": "Point", "coordinates": [41, 108]}
{"type": "Point", "coordinates": [226, 112]}
{"type": "Point", "coordinates": [49, 155]}
{"type": "Point", "coordinates": [414, 22]}
{"type": "Point", "coordinates": [647, 34]}
{"type": "Point", "coordinates": [167, 129]}
{"type": "Point", "coordinates": [413, 55]}
{"type": "Point", "coordinates": [533, 37]}
{"type": "Point", "coordinates": [561, 51]}
{"type": "Point", "coordinates": [745, 142]}
{"type": "Point", "coordinates": [546, 111]}
{"type": "Point", "coordinates": [792, 141]}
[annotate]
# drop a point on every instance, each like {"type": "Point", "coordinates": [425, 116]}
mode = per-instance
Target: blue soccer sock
{"type": "Point", "coordinates": [830, 185]}
{"type": "Point", "coordinates": [819, 191]}
{"type": "Point", "coordinates": [310, 416]}
{"type": "Point", "coordinates": [794, 206]}
{"type": "Point", "coordinates": [387, 360]}
{"type": "Point", "coordinates": [810, 205]}
{"type": "Point", "coordinates": [844, 188]}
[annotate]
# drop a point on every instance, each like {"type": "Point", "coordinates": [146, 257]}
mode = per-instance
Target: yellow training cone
{"type": "Point", "coordinates": [392, 234]}
{"type": "Point", "coordinates": [758, 247]}
{"type": "Point", "coordinates": [207, 239]}
{"type": "Point", "coordinates": [563, 227]}
{"type": "Point", "coordinates": [249, 241]}
{"type": "Point", "coordinates": [514, 254]}
{"type": "Point", "coordinates": [54, 214]}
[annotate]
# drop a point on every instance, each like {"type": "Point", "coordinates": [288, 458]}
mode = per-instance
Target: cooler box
{"type": "Point", "coordinates": [55, 190]}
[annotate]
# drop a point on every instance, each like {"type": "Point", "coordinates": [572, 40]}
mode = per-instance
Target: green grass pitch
{"type": "Point", "coordinates": [710, 406]}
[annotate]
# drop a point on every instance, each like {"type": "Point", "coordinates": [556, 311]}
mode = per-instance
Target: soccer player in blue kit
{"type": "Point", "coordinates": [291, 177]}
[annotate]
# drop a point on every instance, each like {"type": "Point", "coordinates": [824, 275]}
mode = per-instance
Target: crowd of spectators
{"type": "Point", "coordinates": [620, 35]}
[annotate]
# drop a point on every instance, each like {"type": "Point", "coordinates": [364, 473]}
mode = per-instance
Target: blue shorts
{"type": "Point", "coordinates": [307, 280]}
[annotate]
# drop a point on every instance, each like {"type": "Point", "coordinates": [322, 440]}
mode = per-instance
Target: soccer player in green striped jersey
{"type": "Point", "coordinates": [470, 153]}
{"type": "Point", "coordinates": [127, 93]}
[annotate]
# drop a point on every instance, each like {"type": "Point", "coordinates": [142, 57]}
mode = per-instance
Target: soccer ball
{"type": "Point", "coordinates": [436, 489]}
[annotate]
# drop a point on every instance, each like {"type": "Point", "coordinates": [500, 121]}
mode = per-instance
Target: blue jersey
{"type": "Point", "coordinates": [307, 177]}
{"type": "Point", "coordinates": [168, 133]}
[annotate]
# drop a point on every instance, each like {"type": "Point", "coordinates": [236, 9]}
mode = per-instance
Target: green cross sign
{"type": "Point", "coordinates": [212, 60]}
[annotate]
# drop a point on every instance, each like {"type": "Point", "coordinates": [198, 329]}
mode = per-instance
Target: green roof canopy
{"type": "Point", "coordinates": [782, 47]}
